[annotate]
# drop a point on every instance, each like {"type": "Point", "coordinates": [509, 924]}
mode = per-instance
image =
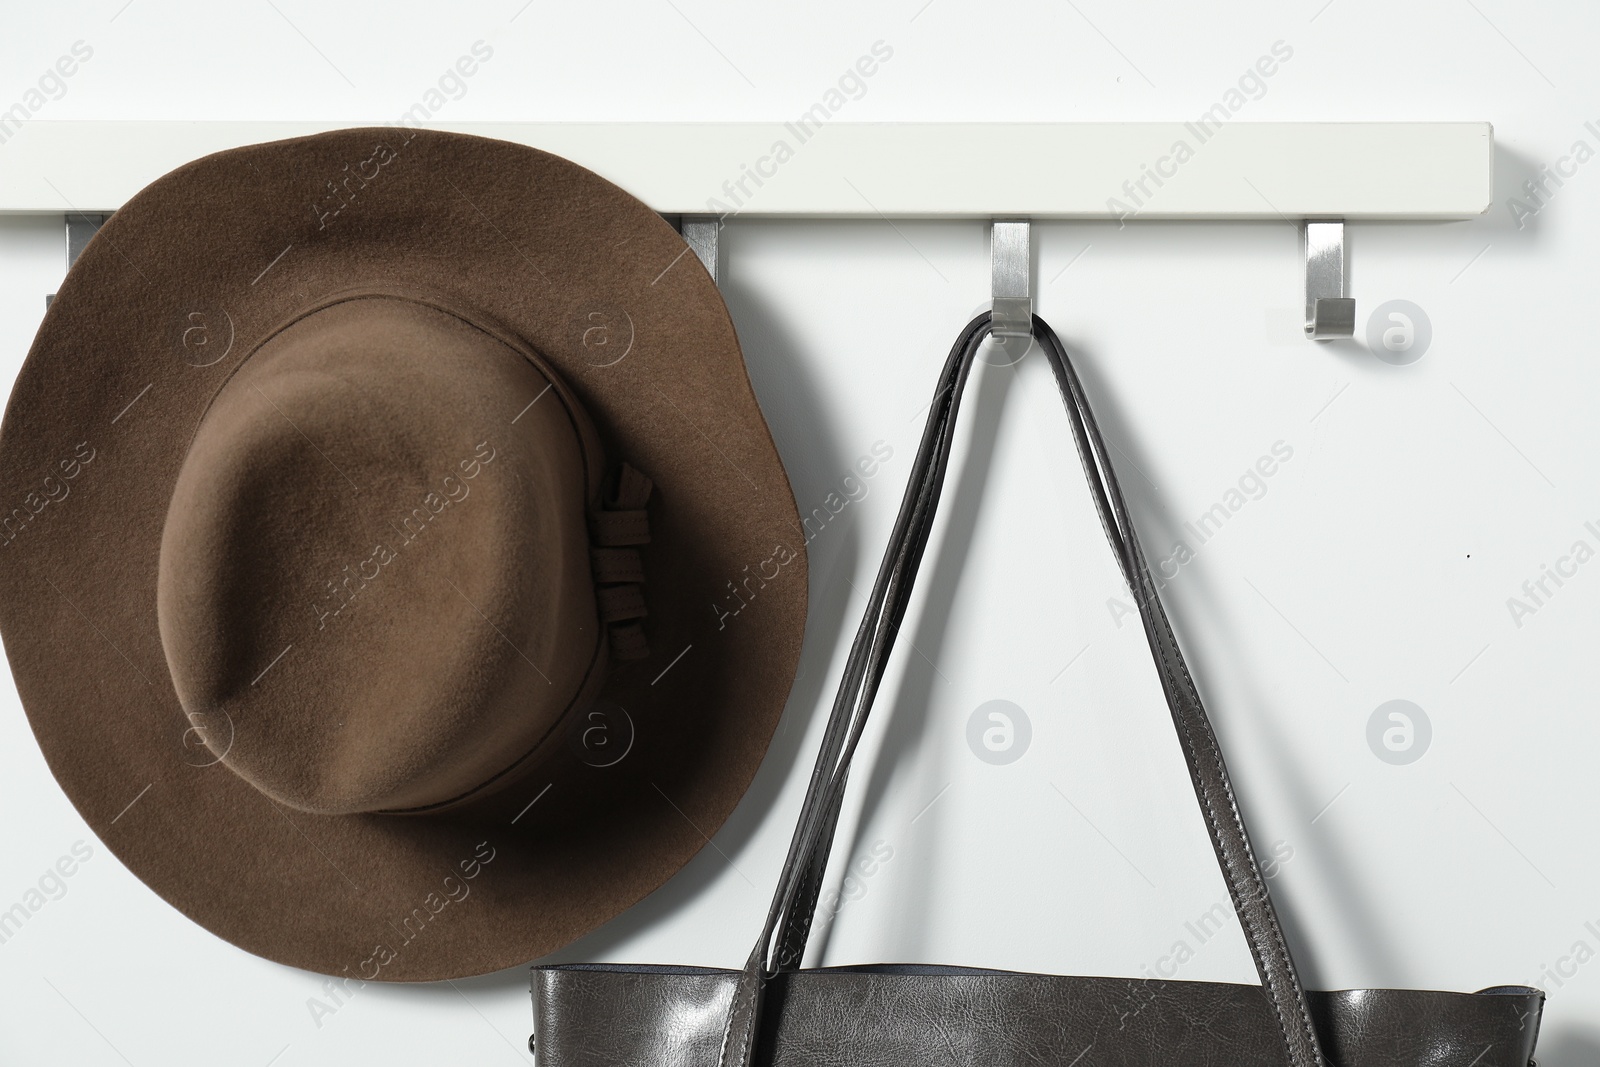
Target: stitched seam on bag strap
{"type": "Point", "coordinates": [734, 1019]}
{"type": "Point", "coordinates": [804, 895]}
{"type": "Point", "coordinates": [1277, 946]}
{"type": "Point", "coordinates": [727, 1031]}
{"type": "Point", "coordinates": [786, 950]}
{"type": "Point", "coordinates": [1228, 861]}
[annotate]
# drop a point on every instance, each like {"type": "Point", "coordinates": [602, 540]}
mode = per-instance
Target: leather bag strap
{"type": "Point", "coordinates": [782, 943]}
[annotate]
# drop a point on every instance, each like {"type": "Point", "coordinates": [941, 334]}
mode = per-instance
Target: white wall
{"type": "Point", "coordinates": [1375, 566]}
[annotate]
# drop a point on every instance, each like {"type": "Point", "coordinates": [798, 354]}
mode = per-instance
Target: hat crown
{"type": "Point", "coordinates": [374, 587]}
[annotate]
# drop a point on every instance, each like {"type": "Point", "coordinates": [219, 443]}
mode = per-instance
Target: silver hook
{"type": "Point", "coordinates": [1010, 280]}
{"type": "Point", "coordinates": [79, 229]}
{"type": "Point", "coordinates": [700, 233]}
{"type": "Point", "coordinates": [1329, 313]}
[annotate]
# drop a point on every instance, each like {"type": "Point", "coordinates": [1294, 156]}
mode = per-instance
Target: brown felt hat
{"type": "Point", "coordinates": [395, 566]}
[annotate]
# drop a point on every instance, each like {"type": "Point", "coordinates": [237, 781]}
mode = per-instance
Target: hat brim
{"type": "Point", "coordinates": [176, 288]}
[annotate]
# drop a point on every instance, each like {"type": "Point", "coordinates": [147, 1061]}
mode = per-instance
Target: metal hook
{"type": "Point", "coordinates": [1329, 313]}
{"type": "Point", "coordinates": [1010, 278]}
{"type": "Point", "coordinates": [79, 229]}
{"type": "Point", "coordinates": [700, 233]}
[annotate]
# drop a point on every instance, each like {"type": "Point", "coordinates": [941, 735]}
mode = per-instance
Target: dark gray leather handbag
{"type": "Point", "coordinates": [911, 1015]}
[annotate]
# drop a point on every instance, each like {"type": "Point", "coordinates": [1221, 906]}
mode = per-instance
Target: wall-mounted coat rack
{"type": "Point", "coordinates": [1320, 175]}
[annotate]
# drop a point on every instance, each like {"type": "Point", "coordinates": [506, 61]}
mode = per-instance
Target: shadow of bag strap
{"type": "Point", "coordinates": [795, 899]}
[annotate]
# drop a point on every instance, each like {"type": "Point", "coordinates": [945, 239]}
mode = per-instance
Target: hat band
{"type": "Point", "coordinates": [618, 570]}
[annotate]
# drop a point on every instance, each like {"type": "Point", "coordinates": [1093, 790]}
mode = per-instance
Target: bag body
{"type": "Point", "coordinates": [589, 1015]}
{"type": "Point", "coordinates": [772, 1012]}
